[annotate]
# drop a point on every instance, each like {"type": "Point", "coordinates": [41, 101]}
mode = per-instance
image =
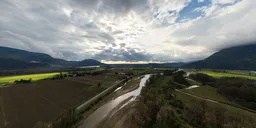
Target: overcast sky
{"type": "Point", "coordinates": [127, 30]}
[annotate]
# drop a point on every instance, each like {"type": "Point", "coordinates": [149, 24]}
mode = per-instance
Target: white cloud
{"type": "Point", "coordinates": [224, 1]}
{"type": "Point", "coordinates": [146, 29]}
{"type": "Point", "coordinates": [234, 24]}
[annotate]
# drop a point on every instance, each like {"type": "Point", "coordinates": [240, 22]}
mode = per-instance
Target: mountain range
{"type": "Point", "coordinates": [238, 58]}
{"type": "Point", "coordinates": [11, 58]}
{"type": "Point", "coordinates": [235, 58]}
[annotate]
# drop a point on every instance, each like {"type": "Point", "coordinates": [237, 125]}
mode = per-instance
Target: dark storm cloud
{"type": "Point", "coordinates": [122, 45]}
{"type": "Point", "coordinates": [125, 54]}
{"type": "Point", "coordinates": [116, 6]}
{"type": "Point", "coordinates": [117, 32]}
{"type": "Point", "coordinates": [100, 36]}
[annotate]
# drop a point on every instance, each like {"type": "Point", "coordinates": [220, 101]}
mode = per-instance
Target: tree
{"type": "Point", "coordinates": [30, 80]}
{"type": "Point", "coordinates": [61, 75]}
{"type": "Point", "coordinates": [99, 85]}
{"type": "Point", "coordinates": [179, 77]}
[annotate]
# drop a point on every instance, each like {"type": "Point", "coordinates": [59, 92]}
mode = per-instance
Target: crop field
{"type": "Point", "coordinates": [228, 74]}
{"type": "Point", "coordinates": [23, 105]}
{"type": "Point", "coordinates": [34, 77]}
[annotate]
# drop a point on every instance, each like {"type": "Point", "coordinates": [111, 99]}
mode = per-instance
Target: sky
{"type": "Point", "coordinates": [121, 31]}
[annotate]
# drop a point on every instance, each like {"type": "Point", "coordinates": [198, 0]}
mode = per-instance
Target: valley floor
{"type": "Point", "coordinates": [203, 107]}
{"type": "Point", "coordinates": [24, 105]}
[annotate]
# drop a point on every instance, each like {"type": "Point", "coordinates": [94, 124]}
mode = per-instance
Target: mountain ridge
{"type": "Point", "coordinates": [11, 58]}
{"type": "Point", "coordinates": [236, 58]}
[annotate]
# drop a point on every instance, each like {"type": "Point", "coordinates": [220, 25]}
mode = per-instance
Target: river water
{"type": "Point", "coordinates": [103, 112]}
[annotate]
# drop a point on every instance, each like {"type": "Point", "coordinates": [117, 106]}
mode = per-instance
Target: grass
{"type": "Point", "coordinates": [34, 77]}
{"type": "Point", "coordinates": [162, 81]}
{"type": "Point", "coordinates": [241, 74]}
{"type": "Point", "coordinates": [230, 110]}
{"type": "Point", "coordinates": [207, 92]}
{"type": "Point", "coordinates": [192, 82]}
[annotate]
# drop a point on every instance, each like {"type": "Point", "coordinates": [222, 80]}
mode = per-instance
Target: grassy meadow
{"type": "Point", "coordinates": [230, 110]}
{"type": "Point", "coordinates": [207, 92]}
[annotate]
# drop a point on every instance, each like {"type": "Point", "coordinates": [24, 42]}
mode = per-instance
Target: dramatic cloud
{"type": "Point", "coordinates": [127, 30]}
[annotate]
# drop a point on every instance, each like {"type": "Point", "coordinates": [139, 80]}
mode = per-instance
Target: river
{"type": "Point", "coordinates": [105, 111]}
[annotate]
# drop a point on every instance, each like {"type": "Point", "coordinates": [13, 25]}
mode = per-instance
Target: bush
{"type": "Point", "coordinates": [179, 77]}
{"type": "Point", "coordinates": [240, 90]}
{"type": "Point", "coordinates": [23, 81]}
{"type": "Point", "coordinates": [203, 78]}
{"type": "Point", "coordinates": [66, 120]}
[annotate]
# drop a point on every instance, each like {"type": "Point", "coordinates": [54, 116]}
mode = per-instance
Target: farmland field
{"type": "Point", "coordinates": [23, 105]}
{"type": "Point", "coordinates": [228, 74]}
{"type": "Point", "coordinates": [34, 77]}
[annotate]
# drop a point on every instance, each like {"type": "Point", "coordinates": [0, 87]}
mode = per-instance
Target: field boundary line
{"type": "Point", "coordinates": [77, 81]}
{"type": "Point", "coordinates": [50, 102]}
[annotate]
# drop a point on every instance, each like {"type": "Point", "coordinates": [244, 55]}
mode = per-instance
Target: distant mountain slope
{"type": "Point", "coordinates": [89, 62]}
{"type": "Point", "coordinates": [152, 65]}
{"type": "Point", "coordinates": [24, 55]}
{"type": "Point", "coordinates": [11, 58]}
{"type": "Point", "coordinates": [9, 63]}
{"type": "Point", "coordinates": [240, 57]}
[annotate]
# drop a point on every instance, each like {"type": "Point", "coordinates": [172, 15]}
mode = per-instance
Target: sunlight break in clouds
{"type": "Point", "coordinates": [127, 31]}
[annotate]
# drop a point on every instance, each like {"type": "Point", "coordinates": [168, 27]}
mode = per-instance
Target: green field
{"type": "Point", "coordinates": [241, 74]}
{"type": "Point", "coordinates": [207, 92]}
{"type": "Point", "coordinates": [210, 93]}
{"type": "Point", "coordinates": [34, 77]}
{"type": "Point", "coordinates": [230, 110]}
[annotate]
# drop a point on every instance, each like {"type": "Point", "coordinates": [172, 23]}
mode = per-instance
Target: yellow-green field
{"type": "Point", "coordinates": [34, 77]}
{"type": "Point", "coordinates": [228, 74]}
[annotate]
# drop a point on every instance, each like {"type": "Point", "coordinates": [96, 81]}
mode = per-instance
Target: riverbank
{"type": "Point", "coordinates": [107, 110]}
{"type": "Point", "coordinates": [127, 87]}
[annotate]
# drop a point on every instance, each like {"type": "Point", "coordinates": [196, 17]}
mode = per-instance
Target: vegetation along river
{"type": "Point", "coordinates": [110, 107]}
